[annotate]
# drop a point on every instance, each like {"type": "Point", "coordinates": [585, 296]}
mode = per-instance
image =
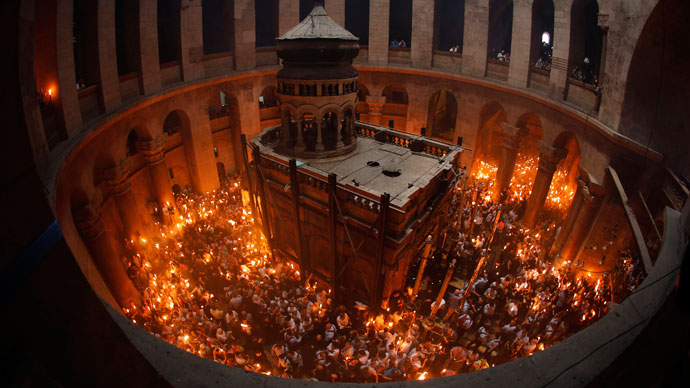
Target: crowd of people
{"type": "Point", "coordinates": [543, 65]}
{"type": "Point", "coordinates": [398, 43]}
{"type": "Point", "coordinates": [210, 285]}
{"type": "Point", "coordinates": [503, 56]}
{"type": "Point", "coordinates": [585, 73]}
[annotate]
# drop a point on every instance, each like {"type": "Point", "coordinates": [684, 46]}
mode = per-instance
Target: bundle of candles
{"type": "Point", "coordinates": [561, 191]}
{"type": "Point", "coordinates": [210, 285]}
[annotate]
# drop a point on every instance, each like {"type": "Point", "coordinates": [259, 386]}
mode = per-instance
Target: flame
{"type": "Point", "coordinates": [422, 376]}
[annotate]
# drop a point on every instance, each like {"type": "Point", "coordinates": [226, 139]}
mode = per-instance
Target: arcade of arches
{"type": "Point", "coordinates": [571, 181]}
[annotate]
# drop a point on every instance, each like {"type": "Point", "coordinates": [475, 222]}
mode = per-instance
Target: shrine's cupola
{"type": "Point", "coordinates": [317, 87]}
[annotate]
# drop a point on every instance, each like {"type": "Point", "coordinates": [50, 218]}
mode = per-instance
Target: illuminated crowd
{"type": "Point", "coordinates": [209, 284]}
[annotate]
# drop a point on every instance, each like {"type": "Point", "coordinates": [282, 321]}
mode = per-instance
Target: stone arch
{"type": "Point", "coordinates": [233, 110]}
{"type": "Point", "coordinates": [177, 124]}
{"type": "Point", "coordinates": [396, 106]}
{"type": "Point", "coordinates": [132, 143]}
{"type": "Point", "coordinates": [489, 135]}
{"type": "Point", "coordinates": [656, 85]}
{"type": "Point", "coordinates": [362, 93]}
{"type": "Point", "coordinates": [307, 123]}
{"type": "Point", "coordinates": [534, 130]}
{"type": "Point", "coordinates": [568, 141]}
{"type": "Point", "coordinates": [585, 40]}
{"type": "Point", "coordinates": [542, 22]}
{"type": "Point", "coordinates": [442, 115]}
{"type": "Point", "coordinates": [500, 27]}
{"type": "Point", "coordinates": [268, 97]}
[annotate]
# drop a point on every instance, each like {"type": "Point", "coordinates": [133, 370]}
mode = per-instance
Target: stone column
{"type": "Point", "coordinates": [336, 10]}
{"type": "Point", "coordinates": [379, 18]}
{"type": "Point", "coordinates": [116, 180]}
{"type": "Point", "coordinates": [422, 33]}
{"type": "Point", "coordinates": [581, 221]}
{"type": "Point", "coordinates": [245, 35]}
{"type": "Point", "coordinates": [69, 98]}
{"type": "Point", "coordinates": [475, 38]}
{"type": "Point", "coordinates": [127, 209]}
{"type": "Point", "coordinates": [198, 147]}
{"type": "Point", "coordinates": [520, 43]}
{"type": "Point", "coordinates": [512, 136]}
{"type": "Point", "coordinates": [154, 155]}
{"type": "Point", "coordinates": [376, 108]}
{"type": "Point", "coordinates": [319, 136]}
{"type": "Point", "coordinates": [107, 56]}
{"type": "Point", "coordinates": [549, 157]}
{"type": "Point", "coordinates": [191, 40]}
{"type": "Point", "coordinates": [299, 143]}
{"type": "Point", "coordinates": [149, 68]}
{"type": "Point", "coordinates": [603, 23]}
{"type": "Point", "coordinates": [106, 255]}
{"type": "Point", "coordinates": [561, 49]}
{"type": "Point", "coordinates": [288, 15]}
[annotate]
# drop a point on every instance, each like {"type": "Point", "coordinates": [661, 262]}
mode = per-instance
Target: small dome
{"type": "Point", "coordinates": [318, 25]}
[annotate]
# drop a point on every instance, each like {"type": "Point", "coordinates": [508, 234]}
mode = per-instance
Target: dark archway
{"type": "Point", "coordinates": [267, 98]}
{"type": "Point", "coordinates": [585, 41]}
{"type": "Point", "coordinates": [266, 22]}
{"type": "Point", "coordinates": [132, 140]}
{"type": "Point", "coordinates": [442, 114]}
{"type": "Point", "coordinates": [449, 24]}
{"type": "Point", "coordinates": [542, 24]}
{"type": "Point", "coordinates": [489, 135]}
{"type": "Point", "coordinates": [395, 107]}
{"type": "Point", "coordinates": [655, 106]}
{"type": "Point", "coordinates": [168, 17]}
{"type": "Point", "coordinates": [217, 24]}
{"type": "Point", "coordinates": [400, 22]}
{"type": "Point", "coordinates": [330, 126]}
{"type": "Point", "coordinates": [500, 27]}
{"type": "Point", "coordinates": [357, 19]}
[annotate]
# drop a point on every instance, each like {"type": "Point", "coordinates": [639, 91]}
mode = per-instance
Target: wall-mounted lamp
{"type": "Point", "coordinates": [42, 98]}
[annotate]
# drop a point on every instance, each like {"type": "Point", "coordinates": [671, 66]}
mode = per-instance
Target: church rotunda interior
{"type": "Point", "coordinates": [299, 192]}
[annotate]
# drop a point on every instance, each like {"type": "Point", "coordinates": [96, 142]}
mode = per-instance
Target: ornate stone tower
{"type": "Point", "coordinates": [317, 87]}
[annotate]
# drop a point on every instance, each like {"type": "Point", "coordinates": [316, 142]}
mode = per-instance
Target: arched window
{"type": "Point", "coordinates": [442, 114]}
{"type": "Point", "coordinates": [500, 28]}
{"type": "Point", "coordinates": [132, 139]}
{"type": "Point", "coordinates": [172, 124]}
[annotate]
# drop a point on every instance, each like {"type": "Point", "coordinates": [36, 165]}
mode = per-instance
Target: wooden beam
{"type": "Point", "coordinates": [375, 301]}
{"type": "Point", "coordinates": [333, 225]}
{"type": "Point", "coordinates": [634, 225]}
{"type": "Point", "coordinates": [294, 183]}
{"type": "Point", "coordinates": [248, 174]}
{"type": "Point", "coordinates": [256, 154]}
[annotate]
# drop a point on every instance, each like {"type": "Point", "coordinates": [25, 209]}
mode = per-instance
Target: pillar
{"type": "Point", "coordinates": [319, 136]}
{"type": "Point", "coordinates": [475, 38]}
{"type": "Point", "coordinates": [512, 136]}
{"type": "Point", "coordinates": [149, 67]}
{"type": "Point", "coordinates": [106, 256]}
{"type": "Point", "coordinates": [154, 155]}
{"type": "Point", "coordinates": [198, 145]}
{"type": "Point", "coordinates": [299, 142]}
{"type": "Point", "coordinates": [549, 157]}
{"type": "Point", "coordinates": [379, 18]}
{"type": "Point", "coordinates": [561, 49]}
{"type": "Point", "coordinates": [422, 33]}
{"type": "Point", "coordinates": [581, 221]}
{"type": "Point", "coordinates": [288, 15]}
{"type": "Point", "coordinates": [375, 104]}
{"type": "Point", "coordinates": [127, 209]}
{"type": "Point", "coordinates": [67, 93]}
{"type": "Point", "coordinates": [245, 34]}
{"type": "Point", "coordinates": [107, 57]}
{"type": "Point", "coordinates": [520, 44]}
{"type": "Point", "coordinates": [191, 40]}
{"type": "Point", "coordinates": [336, 10]}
